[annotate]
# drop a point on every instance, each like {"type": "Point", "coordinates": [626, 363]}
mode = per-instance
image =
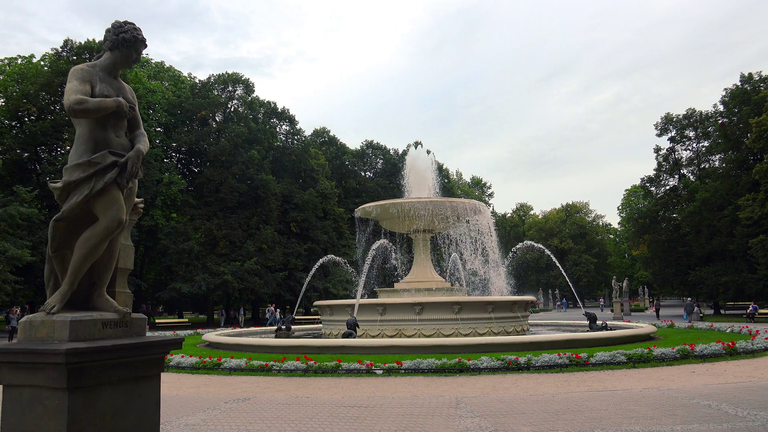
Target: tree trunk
{"type": "Point", "coordinates": [210, 314]}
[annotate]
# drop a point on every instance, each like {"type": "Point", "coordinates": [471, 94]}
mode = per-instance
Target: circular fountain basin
{"type": "Point", "coordinates": [245, 340]}
{"type": "Point", "coordinates": [429, 317]}
{"type": "Point", "coordinates": [408, 215]}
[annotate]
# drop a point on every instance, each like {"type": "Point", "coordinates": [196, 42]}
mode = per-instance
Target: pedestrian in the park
{"type": "Point", "coordinates": [241, 315]}
{"type": "Point", "coordinates": [222, 316]}
{"type": "Point", "coordinates": [278, 321]}
{"type": "Point", "coordinates": [565, 305]}
{"type": "Point", "coordinates": [270, 315]}
{"type": "Point", "coordinates": [11, 322]}
{"type": "Point", "coordinates": [657, 307]}
{"type": "Point", "coordinates": [602, 304]}
{"type": "Point", "coordinates": [688, 310]}
{"type": "Point", "coordinates": [751, 312]}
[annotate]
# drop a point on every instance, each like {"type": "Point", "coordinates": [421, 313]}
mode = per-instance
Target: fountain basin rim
{"type": "Point", "coordinates": [416, 300]}
{"type": "Point", "coordinates": [625, 333]}
{"type": "Point", "coordinates": [403, 201]}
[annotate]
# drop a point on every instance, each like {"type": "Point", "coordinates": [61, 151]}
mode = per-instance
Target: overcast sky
{"type": "Point", "coordinates": [549, 101]}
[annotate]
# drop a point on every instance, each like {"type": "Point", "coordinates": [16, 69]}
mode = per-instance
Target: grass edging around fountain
{"type": "Point", "coordinates": [672, 340]}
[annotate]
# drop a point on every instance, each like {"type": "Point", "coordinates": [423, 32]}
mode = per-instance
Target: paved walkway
{"type": "Point", "coordinates": [729, 396]}
{"type": "Point", "coordinates": [671, 310]}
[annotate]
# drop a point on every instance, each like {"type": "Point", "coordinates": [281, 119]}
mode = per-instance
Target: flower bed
{"type": "Point", "coordinates": [305, 364]}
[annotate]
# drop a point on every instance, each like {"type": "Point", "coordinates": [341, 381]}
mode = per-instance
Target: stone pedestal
{"type": "Point", "coordinates": [80, 327]}
{"type": "Point", "coordinates": [83, 371]}
{"type": "Point", "coordinates": [617, 316]}
{"type": "Point", "coordinates": [627, 310]}
{"type": "Point", "coordinates": [106, 385]}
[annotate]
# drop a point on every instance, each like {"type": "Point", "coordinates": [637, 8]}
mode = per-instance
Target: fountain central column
{"type": "Point", "coordinates": [422, 272]}
{"type": "Point", "coordinates": [422, 280]}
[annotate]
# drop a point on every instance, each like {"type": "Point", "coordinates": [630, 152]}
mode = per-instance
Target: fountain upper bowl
{"type": "Point", "coordinates": [410, 215]}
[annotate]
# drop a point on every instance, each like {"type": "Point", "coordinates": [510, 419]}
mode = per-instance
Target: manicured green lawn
{"type": "Point", "coordinates": [664, 338]}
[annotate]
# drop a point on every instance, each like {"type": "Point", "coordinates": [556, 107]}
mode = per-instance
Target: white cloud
{"type": "Point", "coordinates": [549, 101]}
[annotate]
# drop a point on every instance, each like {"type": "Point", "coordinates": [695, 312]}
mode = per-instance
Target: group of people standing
{"type": "Point", "coordinates": [273, 316]}
{"type": "Point", "coordinates": [240, 317]}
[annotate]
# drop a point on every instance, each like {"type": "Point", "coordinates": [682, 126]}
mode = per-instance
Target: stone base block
{"type": "Point", "coordinates": [80, 327]}
{"type": "Point", "coordinates": [617, 316]}
{"type": "Point", "coordinates": [106, 385]}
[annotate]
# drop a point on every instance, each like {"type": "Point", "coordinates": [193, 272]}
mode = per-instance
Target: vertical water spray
{"type": "Point", "coordinates": [455, 262]}
{"type": "Point", "coordinates": [420, 175]}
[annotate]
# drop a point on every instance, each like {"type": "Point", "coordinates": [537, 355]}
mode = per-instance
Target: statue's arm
{"type": "Point", "coordinates": [138, 138]}
{"type": "Point", "coordinates": [136, 133]}
{"type": "Point", "coordinates": [78, 102]}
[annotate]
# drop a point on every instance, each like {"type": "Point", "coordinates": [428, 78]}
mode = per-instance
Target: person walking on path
{"type": "Point", "coordinates": [222, 316]}
{"type": "Point", "coordinates": [688, 310]}
{"type": "Point", "coordinates": [270, 315]}
{"type": "Point", "coordinates": [12, 321]}
{"type": "Point", "coordinates": [657, 307]}
{"type": "Point", "coordinates": [241, 316]}
{"type": "Point", "coordinates": [602, 304]}
{"type": "Point", "coordinates": [565, 305]}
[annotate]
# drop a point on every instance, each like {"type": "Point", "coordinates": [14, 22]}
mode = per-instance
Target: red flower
{"type": "Point", "coordinates": [232, 357]}
{"type": "Point", "coordinates": [249, 359]}
{"type": "Point", "coordinates": [204, 361]}
{"type": "Point", "coordinates": [338, 360]}
{"type": "Point", "coordinates": [298, 358]}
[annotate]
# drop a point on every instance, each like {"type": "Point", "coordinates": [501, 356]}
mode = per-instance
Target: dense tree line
{"type": "Point", "coordinates": [241, 202]}
{"type": "Point", "coordinates": [697, 225]}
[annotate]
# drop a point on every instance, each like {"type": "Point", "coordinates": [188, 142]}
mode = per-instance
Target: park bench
{"type": "Point", "coordinates": [761, 314]}
{"type": "Point", "coordinates": [735, 306]}
{"type": "Point", "coordinates": [307, 320]}
{"type": "Point", "coordinates": [172, 322]}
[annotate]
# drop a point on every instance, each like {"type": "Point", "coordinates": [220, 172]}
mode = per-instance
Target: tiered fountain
{"type": "Point", "coordinates": [423, 304]}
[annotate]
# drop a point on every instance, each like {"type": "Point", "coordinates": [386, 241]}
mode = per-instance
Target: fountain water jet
{"type": "Point", "coordinates": [368, 260]}
{"type": "Point", "coordinates": [455, 262]}
{"type": "Point", "coordinates": [328, 258]}
{"type": "Point", "coordinates": [513, 253]}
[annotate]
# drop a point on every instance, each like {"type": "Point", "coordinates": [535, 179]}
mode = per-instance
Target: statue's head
{"type": "Point", "coordinates": [123, 35]}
